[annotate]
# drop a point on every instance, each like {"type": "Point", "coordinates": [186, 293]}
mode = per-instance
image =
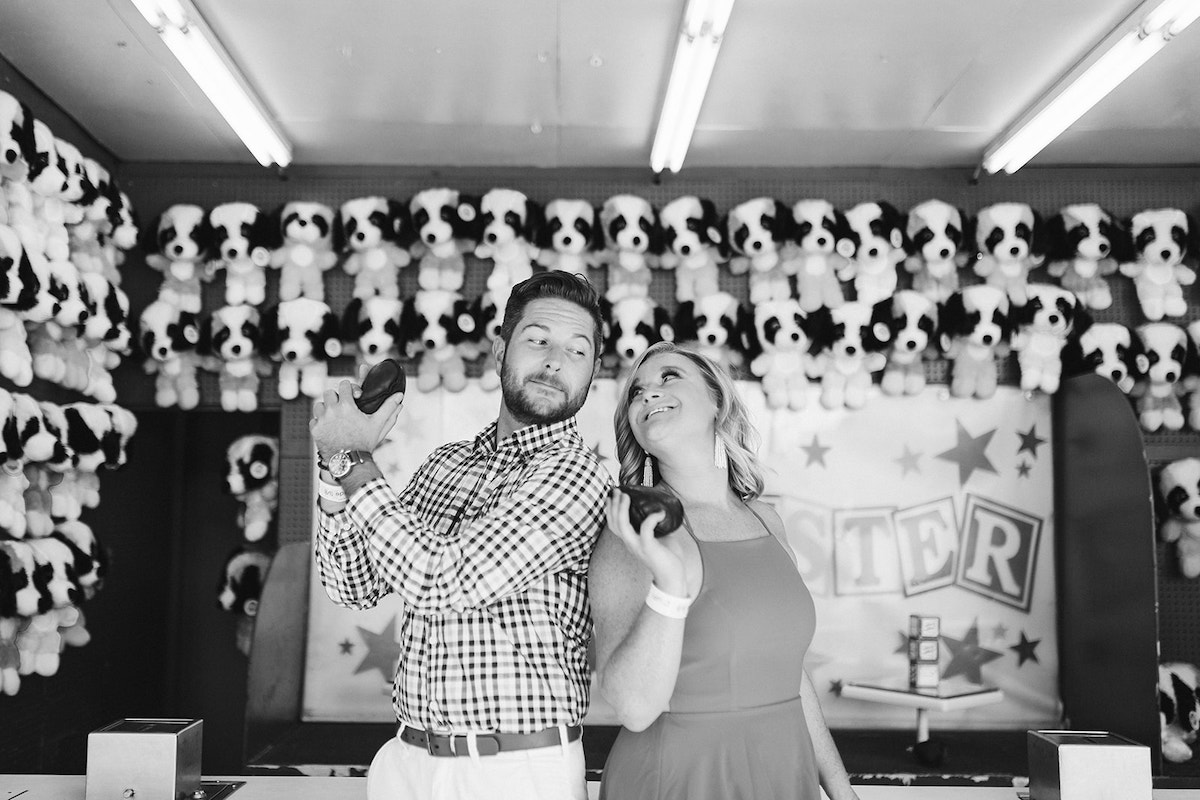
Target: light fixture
{"type": "Point", "coordinates": [1139, 36]}
{"type": "Point", "coordinates": [185, 33]}
{"type": "Point", "coordinates": [696, 51]}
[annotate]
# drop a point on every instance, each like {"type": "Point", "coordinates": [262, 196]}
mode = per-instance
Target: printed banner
{"type": "Point", "coordinates": [926, 505]}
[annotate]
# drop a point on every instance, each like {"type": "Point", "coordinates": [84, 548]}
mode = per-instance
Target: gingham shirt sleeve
{"type": "Point", "coordinates": [547, 524]}
{"type": "Point", "coordinates": [342, 562]}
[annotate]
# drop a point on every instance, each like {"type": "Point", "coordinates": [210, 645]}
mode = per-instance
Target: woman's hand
{"type": "Point", "coordinates": [663, 556]}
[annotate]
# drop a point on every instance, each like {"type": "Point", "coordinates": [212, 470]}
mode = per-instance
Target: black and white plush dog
{"type": "Point", "coordinates": [179, 245]}
{"type": "Point", "coordinates": [1105, 348]}
{"type": "Point", "coordinates": [1084, 243]}
{"type": "Point", "coordinates": [913, 320]}
{"type": "Point", "coordinates": [571, 238]}
{"type": "Point", "coordinates": [372, 235]}
{"type": "Point", "coordinates": [824, 246]}
{"type": "Point", "coordinates": [848, 342]}
{"type": "Point", "coordinates": [510, 224]}
{"type": "Point", "coordinates": [445, 226]}
{"type": "Point", "coordinates": [938, 243]}
{"type": "Point", "coordinates": [710, 325]}
{"type": "Point", "coordinates": [692, 245]}
{"type": "Point", "coordinates": [1041, 327]}
{"type": "Point", "coordinates": [776, 340]}
{"type": "Point", "coordinates": [252, 476]}
{"type": "Point", "coordinates": [759, 234]}
{"type": "Point", "coordinates": [242, 581]}
{"type": "Point", "coordinates": [488, 310]}
{"type": "Point", "coordinates": [231, 339]}
{"type": "Point", "coordinates": [302, 335]}
{"type": "Point", "coordinates": [243, 238]}
{"type": "Point", "coordinates": [168, 340]}
{"type": "Point", "coordinates": [1010, 241]}
{"type": "Point", "coordinates": [438, 328]}
{"type": "Point", "coordinates": [632, 244]}
{"type": "Point", "coordinates": [632, 325]}
{"type": "Point", "coordinates": [1159, 372]}
{"type": "Point", "coordinates": [1162, 239]}
{"type": "Point", "coordinates": [974, 332]}
{"type": "Point", "coordinates": [17, 147]}
{"type": "Point", "coordinates": [373, 327]}
{"type": "Point", "coordinates": [306, 250]}
{"type": "Point", "coordinates": [877, 230]}
{"type": "Point", "coordinates": [1178, 706]}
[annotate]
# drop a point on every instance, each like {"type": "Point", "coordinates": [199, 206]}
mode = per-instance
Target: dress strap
{"type": "Point", "coordinates": [787, 548]}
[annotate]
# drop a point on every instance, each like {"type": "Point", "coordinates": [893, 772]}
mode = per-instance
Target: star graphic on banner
{"type": "Point", "coordinates": [969, 453]}
{"type": "Point", "coordinates": [1023, 469]}
{"type": "Point", "coordinates": [967, 656]}
{"type": "Point", "coordinates": [903, 647]}
{"type": "Point", "coordinates": [1000, 632]}
{"type": "Point", "coordinates": [835, 687]}
{"type": "Point", "coordinates": [1030, 441]}
{"type": "Point", "coordinates": [346, 646]}
{"type": "Point", "coordinates": [908, 462]}
{"type": "Point", "coordinates": [1025, 650]}
{"type": "Point", "coordinates": [382, 651]}
{"type": "Point", "coordinates": [815, 452]}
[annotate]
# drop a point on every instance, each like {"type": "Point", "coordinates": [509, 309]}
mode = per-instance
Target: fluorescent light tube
{"type": "Point", "coordinates": [700, 35]}
{"type": "Point", "coordinates": [201, 54]}
{"type": "Point", "coordinates": [1142, 34]}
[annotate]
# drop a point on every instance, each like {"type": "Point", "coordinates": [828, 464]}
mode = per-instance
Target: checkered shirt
{"type": "Point", "coordinates": [488, 547]}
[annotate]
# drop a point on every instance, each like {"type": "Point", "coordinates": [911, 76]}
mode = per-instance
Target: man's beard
{"type": "Point", "coordinates": [538, 410]}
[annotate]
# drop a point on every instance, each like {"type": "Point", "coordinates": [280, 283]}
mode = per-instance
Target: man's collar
{"type": "Point", "coordinates": [528, 439]}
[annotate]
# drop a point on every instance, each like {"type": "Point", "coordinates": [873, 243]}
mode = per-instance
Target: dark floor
{"type": "Point", "coordinates": [871, 756]}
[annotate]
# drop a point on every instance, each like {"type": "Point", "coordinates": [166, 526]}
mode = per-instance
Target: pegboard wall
{"type": "Point", "coordinates": [1122, 191]}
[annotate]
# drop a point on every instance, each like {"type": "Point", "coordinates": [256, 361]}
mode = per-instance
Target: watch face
{"type": "Point", "coordinates": [339, 464]}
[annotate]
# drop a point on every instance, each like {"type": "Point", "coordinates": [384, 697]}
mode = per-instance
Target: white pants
{"type": "Point", "coordinates": [401, 771]}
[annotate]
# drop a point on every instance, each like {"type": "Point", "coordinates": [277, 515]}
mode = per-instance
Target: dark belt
{"type": "Point", "coordinates": [487, 744]}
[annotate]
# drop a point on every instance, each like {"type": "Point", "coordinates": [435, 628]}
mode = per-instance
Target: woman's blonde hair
{"type": "Point", "coordinates": [732, 424]}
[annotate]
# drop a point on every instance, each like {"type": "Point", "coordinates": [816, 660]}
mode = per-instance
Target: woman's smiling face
{"type": "Point", "coordinates": [669, 400]}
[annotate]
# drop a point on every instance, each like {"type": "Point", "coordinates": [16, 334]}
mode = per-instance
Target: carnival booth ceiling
{"type": "Point", "coordinates": [568, 83]}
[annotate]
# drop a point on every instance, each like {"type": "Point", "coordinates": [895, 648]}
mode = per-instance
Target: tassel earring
{"type": "Point", "coordinates": [648, 471]}
{"type": "Point", "coordinates": [720, 457]}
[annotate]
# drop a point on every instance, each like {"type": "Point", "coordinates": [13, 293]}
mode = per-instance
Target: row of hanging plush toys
{"type": "Point", "coordinates": [64, 228]}
{"type": "Point", "coordinates": [50, 560]}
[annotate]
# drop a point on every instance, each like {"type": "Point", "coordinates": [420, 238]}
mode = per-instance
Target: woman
{"type": "Point", "coordinates": [701, 634]}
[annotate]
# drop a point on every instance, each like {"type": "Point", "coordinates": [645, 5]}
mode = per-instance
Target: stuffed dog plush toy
{"type": "Point", "coordinates": [511, 224]}
{"type": "Point", "coordinates": [1105, 348]}
{"type": "Point", "coordinates": [488, 312]}
{"type": "Point", "coordinates": [777, 346]}
{"type": "Point", "coordinates": [306, 253]}
{"type": "Point", "coordinates": [438, 328]}
{"type": "Point", "coordinates": [759, 234]}
{"type": "Point", "coordinates": [632, 244]}
{"type": "Point", "coordinates": [938, 243]}
{"type": "Point", "coordinates": [243, 238]}
{"type": "Point", "coordinates": [1009, 242]}
{"type": "Point", "coordinates": [168, 340]}
{"type": "Point", "coordinates": [19, 285]}
{"type": "Point", "coordinates": [1159, 374]}
{"type": "Point", "coordinates": [1041, 327]}
{"type": "Point", "coordinates": [848, 342]}
{"type": "Point", "coordinates": [373, 235]}
{"type": "Point", "coordinates": [692, 246]}
{"type": "Point", "coordinates": [17, 146]}
{"type": "Point", "coordinates": [974, 331]}
{"type": "Point", "coordinates": [373, 327]}
{"type": "Point", "coordinates": [710, 325]}
{"type": "Point", "coordinates": [445, 226]}
{"type": "Point", "coordinates": [302, 335]}
{"type": "Point", "coordinates": [48, 182]}
{"type": "Point", "coordinates": [913, 320]}
{"type": "Point", "coordinates": [1178, 709]}
{"type": "Point", "coordinates": [572, 237]}
{"type": "Point", "coordinates": [253, 479]}
{"type": "Point", "coordinates": [242, 580]}
{"type": "Point", "coordinates": [231, 342]}
{"type": "Point", "coordinates": [1179, 487]}
{"type": "Point", "coordinates": [178, 244]}
{"type": "Point", "coordinates": [1162, 239]}
{"type": "Point", "coordinates": [824, 245]}
{"type": "Point", "coordinates": [877, 230]}
{"type": "Point", "coordinates": [1084, 243]}
{"type": "Point", "coordinates": [631, 326]}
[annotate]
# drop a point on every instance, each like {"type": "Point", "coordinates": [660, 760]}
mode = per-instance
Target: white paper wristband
{"type": "Point", "coordinates": [668, 604]}
{"type": "Point", "coordinates": [331, 491]}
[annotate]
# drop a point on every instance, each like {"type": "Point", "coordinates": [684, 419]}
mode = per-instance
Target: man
{"type": "Point", "coordinates": [488, 547]}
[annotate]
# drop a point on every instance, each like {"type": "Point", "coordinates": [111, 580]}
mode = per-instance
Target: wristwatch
{"type": "Point", "coordinates": [341, 462]}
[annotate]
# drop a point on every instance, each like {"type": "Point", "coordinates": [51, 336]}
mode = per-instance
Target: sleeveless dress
{"type": "Point", "coordinates": [735, 729]}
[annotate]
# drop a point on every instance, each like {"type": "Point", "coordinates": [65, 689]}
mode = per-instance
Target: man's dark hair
{"type": "Point", "coordinates": [554, 283]}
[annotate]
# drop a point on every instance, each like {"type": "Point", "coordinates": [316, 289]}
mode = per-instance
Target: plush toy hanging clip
{"type": "Point", "coordinates": [306, 253]}
{"type": "Point", "coordinates": [777, 345]}
{"type": "Point", "coordinates": [938, 245]}
{"type": "Point", "coordinates": [913, 320]}
{"type": "Point", "coordinates": [823, 247]}
{"type": "Point", "coordinates": [878, 233]}
{"type": "Point", "coordinates": [1160, 368]}
{"type": "Point", "coordinates": [373, 235]}
{"type": "Point", "coordinates": [1084, 244]}
{"type": "Point", "coordinates": [693, 246]}
{"type": "Point", "coordinates": [445, 226]}
{"type": "Point", "coordinates": [974, 332]}
{"type": "Point", "coordinates": [1179, 488]}
{"type": "Point", "coordinates": [252, 477]}
{"type": "Point", "coordinates": [1041, 327]}
{"type": "Point", "coordinates": [438, 328]}
{"type": "Point", "coordinates": [632, 243]}
{"type": "Point", "coordinates": [243, 238]}
{"type": "Point", "coordinates": [1009, 243]}
{"type": "Point", "coordinates": [178, 244]}
{"type": "Point", "coordinates": [572, 237]}
{"type": "Point", "coordinates": [1163, 238]}
{"type": "Point", "coordinates": [759, 234]}
{"type": "Point", "coordinates": [509, 224]}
